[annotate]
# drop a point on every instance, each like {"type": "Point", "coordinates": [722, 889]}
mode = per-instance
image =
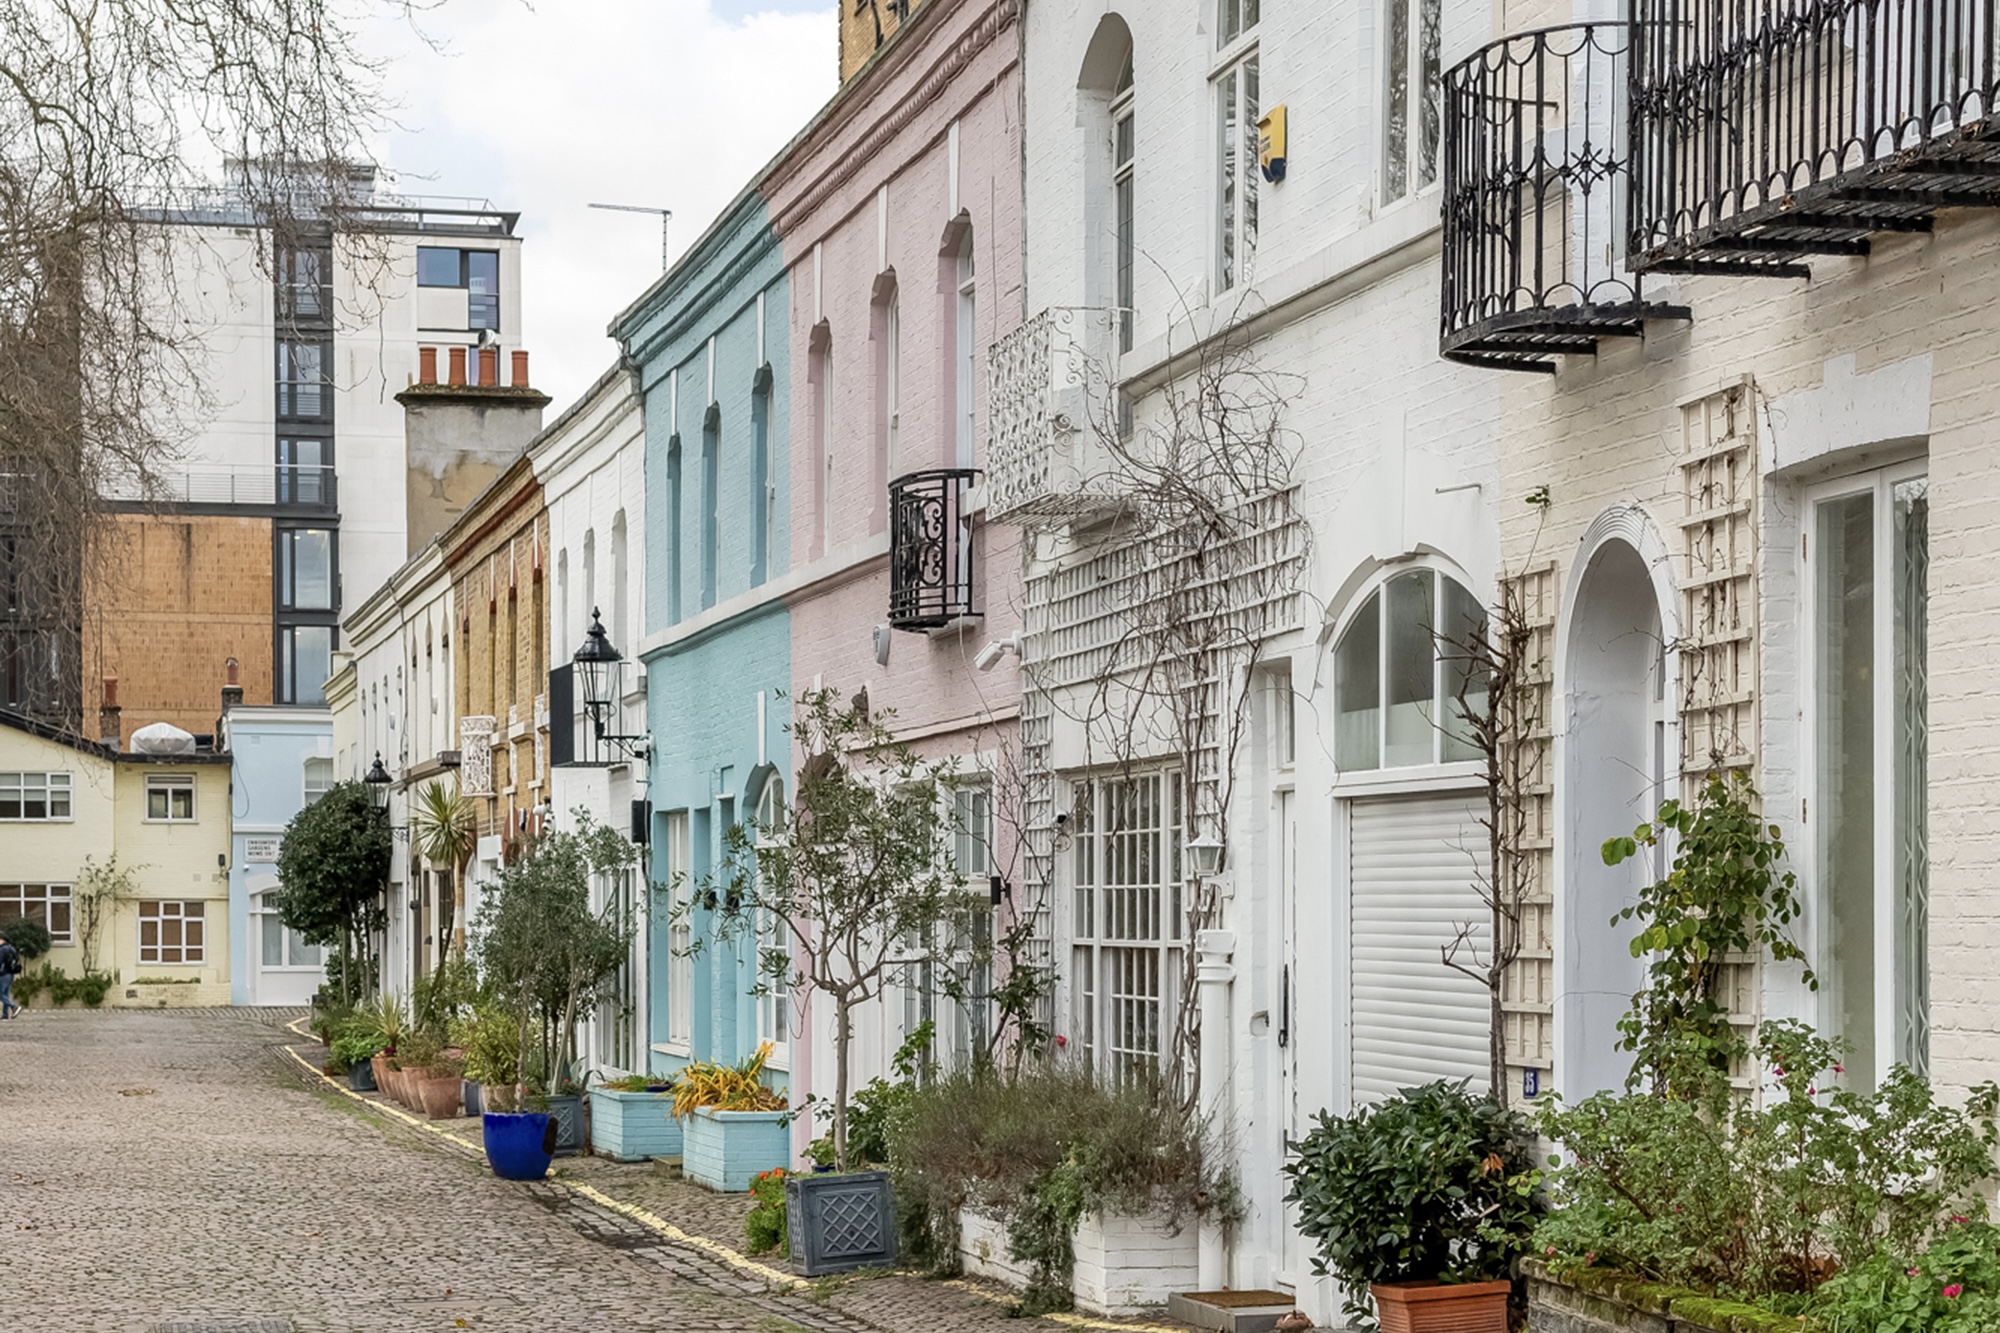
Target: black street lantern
{"type": "Point", "coordinates": [599, 677]}
{"type": "Point", "coordinates": [378, 781]}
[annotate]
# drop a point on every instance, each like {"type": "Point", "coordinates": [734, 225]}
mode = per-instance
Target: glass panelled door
{"type": "Point", "coordinates": [1868, 552]}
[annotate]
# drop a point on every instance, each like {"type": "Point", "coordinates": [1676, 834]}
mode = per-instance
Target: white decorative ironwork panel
{"type": "Point", "coordinates": [475, 746]}
{"type": "Point", "coordinates": [1050, 408]}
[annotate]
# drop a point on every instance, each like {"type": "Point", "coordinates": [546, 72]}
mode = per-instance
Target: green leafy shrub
{"type": "Point", "coordinates": [29, 938]}
{"type": "Point", "coordinates": [491, 1041]}
{"type": "Point", "coordinates": [1039, 1147]}
{"type": "Point", "coordinates": [355, 1041]}
{"type": "Point", "coordinates": [60, 987]}
{"type": "Point", "coordinates": [1952, 1286]}
{"type": "Point", "coordinates": [1433, 1183]}
{"type": "Point", "coordinates": [764, 1227]}
{"type": "Point", "coordinates": [1752, 1200]}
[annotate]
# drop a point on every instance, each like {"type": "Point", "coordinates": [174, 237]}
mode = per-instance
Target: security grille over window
{"type": "Point", "coordinates": [1050, 410]}
{"type": "Point", "coordinates": [930, 549]}
{"type": "Point", "coordinates": [475, 744]}
{"type": "Point", "coordinates": [1535, 160]}
{"type": "Point", "coordinates": [1768, 131]}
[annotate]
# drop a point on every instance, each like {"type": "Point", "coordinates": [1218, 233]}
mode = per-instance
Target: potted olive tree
{"type": "Point", "coordinates": [1422, 1203]}
{"type": "Point", "coordinates": [828, 892]}
{"type": "Point", "coordinates": [544, 954]}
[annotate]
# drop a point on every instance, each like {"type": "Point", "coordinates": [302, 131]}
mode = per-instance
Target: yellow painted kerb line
{"type": "Point", "coordinates": [736, 1259]}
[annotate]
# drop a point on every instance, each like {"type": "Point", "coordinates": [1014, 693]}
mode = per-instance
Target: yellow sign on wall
{"type": "Point", "coordinates": [1271, 144]}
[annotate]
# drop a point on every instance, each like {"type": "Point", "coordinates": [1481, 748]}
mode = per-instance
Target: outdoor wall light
{"type": "Point", "coordinates": [599, 670]}
{"type": "Point", "coordinates": [989, 656]}
{"type": "Point", "coordinates": [1205, 852]}
{"type": "Point", "coordinates": [378, 781]}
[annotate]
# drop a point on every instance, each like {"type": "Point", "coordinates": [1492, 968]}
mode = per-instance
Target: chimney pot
{"type": "Point", "coordinates": [489, 367]}
{"type": "Point", "coordinates": [110, 729]}
{"type": "Point", "coordinates": [427, 365]}
{"type": "Point", "coordinates": [230, 668]}
{"type": "Point", "coordinates": [458, 367]}
{"type": "Point", "coordinates": [520, 370]}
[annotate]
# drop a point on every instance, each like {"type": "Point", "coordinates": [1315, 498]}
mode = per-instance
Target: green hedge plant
{"type": "Point", "coordinates": [1435, 1183]}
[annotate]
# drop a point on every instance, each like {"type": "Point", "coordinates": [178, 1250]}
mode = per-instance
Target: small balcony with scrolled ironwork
{"type": "Point", "coordinates": [1769, 131]}
{"type": "Point", "coordinates": [930, 549]}
{"type": "Point", "coordinates": [1535, 170]}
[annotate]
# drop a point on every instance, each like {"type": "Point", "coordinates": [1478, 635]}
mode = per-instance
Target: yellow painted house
{"type": "Point", "coordinates": [68, 806]}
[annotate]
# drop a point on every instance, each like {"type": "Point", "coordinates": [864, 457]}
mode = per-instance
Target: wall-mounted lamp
{"type": "Point", "coordinates": [989, 656]}
{"type": "Point", "coordinates": [1205, 853]}
{"type": "Point", "coordinates": [378, 781]}
{"type": "Point", "coordinates": [599, 668]}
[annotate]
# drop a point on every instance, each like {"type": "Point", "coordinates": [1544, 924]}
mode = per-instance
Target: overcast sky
{"type": "Point", "coordinates": [550, 108]}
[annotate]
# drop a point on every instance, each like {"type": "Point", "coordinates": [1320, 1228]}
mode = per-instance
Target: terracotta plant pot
{"type": "Point", "coordinates": [1442, 1307]}
{"type": "Point", "coordinates": [380, 1064]}
{"type": "Point", "coordinates": [439, 1095]}
{"type": "Point", "coordinates": [399, 1087]}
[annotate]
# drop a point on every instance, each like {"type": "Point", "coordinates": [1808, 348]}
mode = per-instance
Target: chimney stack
{"type": "Point", "coordinates": [458, 367]}
{"type": "Point", "coordinates": [232, 690]}
{"type": "Point", "coordinates": [110, 726]}
{"type": "Point", "coordinates": [520, 370]}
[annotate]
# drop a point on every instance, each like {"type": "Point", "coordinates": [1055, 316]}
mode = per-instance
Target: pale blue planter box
{"type": "Point", "coordinates": [724, 1149]}
{"type": "Point", "coordinates": [633, 1126]}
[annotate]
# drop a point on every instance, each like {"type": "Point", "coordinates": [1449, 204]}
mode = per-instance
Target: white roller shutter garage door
{"type": "Point", "coordinates": [1413, 863]}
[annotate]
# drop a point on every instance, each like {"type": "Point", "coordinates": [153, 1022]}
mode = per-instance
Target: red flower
{"type": "Point", "coordinates": [1951, 1292]}
{"type": "Point", "coordinates": [1061, 1040]}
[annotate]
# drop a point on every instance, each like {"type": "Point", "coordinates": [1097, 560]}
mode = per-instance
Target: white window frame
{"type": "Point", "coordinates": [195, 955]}
{"type": "Point", "coordinates": [1124, 204]}
{"type": "Point", "coordinates": [1098, 950]}
{"type": "Point", "coordinates": [774, 1019]}
{"type": "Point", "coordinates": [1383, 772]}
{"type": "Point", "coordinates": [617, 1019]}
{"type": "Point", "coordinates": [266, 910]}
{"type": "Point", "coordinates": [51, 784]}
{"type": "Point", "coordinates": [680, 937]}
{"type": "Point", "coordinates": [965, 346]}
{"type": "Point", "coordinates": [1888, 986]}
{"type": "Point", "coordinates": [892, 384]}
{"type": "Point", "coordinates": [1408, 154]}
{"type": "Point", "coordinates": [15, 904]}
{"type": "Point", "coordinates": [169, 784]}
{"type": "Point", "coordinates": [1233, 229]}
{"type": "Point", "coordinates": [307, 789]}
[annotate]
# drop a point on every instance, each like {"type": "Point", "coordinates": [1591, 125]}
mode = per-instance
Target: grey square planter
{"type": "Point", "coordinates": [566, 1113]}
{"type": "Point", "coordinates": [840, 1222]}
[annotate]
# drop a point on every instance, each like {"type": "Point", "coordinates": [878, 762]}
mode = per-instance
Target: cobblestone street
{"type": "Point", "coordinates": [175, 1172]}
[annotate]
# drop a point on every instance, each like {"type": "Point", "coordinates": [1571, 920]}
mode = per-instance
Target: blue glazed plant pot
{"type": "Point", "coordinates": [519, 1144]}
{"type": "Point", "coordinates": [361, 1076]}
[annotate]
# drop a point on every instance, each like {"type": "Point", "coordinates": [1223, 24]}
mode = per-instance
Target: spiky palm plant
{"type": "Point", "coordinates": [445, 823]}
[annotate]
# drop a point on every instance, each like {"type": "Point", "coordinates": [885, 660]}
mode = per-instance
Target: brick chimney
{"type": "Point", "coordinates": [232, 687]}
{"type": "Point", "coordinates": [110, 723]}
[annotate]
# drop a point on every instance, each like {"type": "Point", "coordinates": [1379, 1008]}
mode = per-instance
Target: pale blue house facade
{"type": "Point", "coordinates": [709, 343]}
{"type": "Point", "coordinates": [281, 761]}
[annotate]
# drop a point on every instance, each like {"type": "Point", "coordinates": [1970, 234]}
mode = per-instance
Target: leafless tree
{"type": "Point", "coordinates": [119, 118]}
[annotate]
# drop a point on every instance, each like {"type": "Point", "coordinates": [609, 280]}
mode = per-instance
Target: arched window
{"type": "Point", "coordinates": [967, 349]}
{"type": "Point", "coordinates": [1124, 154]}
{"type": "Point", "coordinates": [773, 937]}
{"type": "Point", "coordinates": [711, 503]}
{"type": "Point", "coordinates": [1402, 679]}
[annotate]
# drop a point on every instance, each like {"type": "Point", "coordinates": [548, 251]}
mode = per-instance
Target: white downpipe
{"type": "Point", "coordinates": [1213, 974]}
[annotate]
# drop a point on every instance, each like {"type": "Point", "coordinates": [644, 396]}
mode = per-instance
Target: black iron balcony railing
{"type": "Point", "coordinates": [1535, 173]}
{"type": "Point", "coordinates": [930, 549]}
{"type": "Point", "coordinates": [1764, 131]}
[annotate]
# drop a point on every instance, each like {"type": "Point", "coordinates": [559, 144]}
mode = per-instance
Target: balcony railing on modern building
{"type": "Point", "coordinates": [1765, 131]}
{"type": "Point", "coordinates": [1535, 169]}
{"type": "Point", "coordinates": [1051, 406]}
{"type": "Point", "coordinates": [306, 485]}
{"type": "Point", "coordinates": [930, 549]}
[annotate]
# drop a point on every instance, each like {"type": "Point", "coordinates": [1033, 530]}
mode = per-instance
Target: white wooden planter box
{"type": "Point", "coordinates": [1124, 1265]}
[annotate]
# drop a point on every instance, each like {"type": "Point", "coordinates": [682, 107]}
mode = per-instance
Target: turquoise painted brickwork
{"type": "Point", "coordinates": [724, 1149]}
{"type": "Point", "coordinates": [714, 385]}
{"type": "Point", "coordinates": [633, 1126]}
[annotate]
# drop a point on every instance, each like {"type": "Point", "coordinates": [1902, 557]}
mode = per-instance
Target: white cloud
{"type": "Point", "coordinates": [665, 103]}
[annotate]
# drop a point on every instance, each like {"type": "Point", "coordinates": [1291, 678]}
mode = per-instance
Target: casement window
{"type": "Point", "coordinates": [305, 471]}
{"type": "Point", "coordinates": [305, 660]}
{"type": "Point", "coordinates": [48, 904]}
{"type": "Point", "coordinates": [171, 932]}
{"type": "Point", "coordinates": [1868, 566]}
{"type": "Point", "coordinates": [1412, 113]}
{"type": "Point", "coordinates": [1236, 111]}
{"type": "Point", "coordinates": [967, 352]}
{"type": "Point", "coordinates": [477, 272]}
{"type": "Point", "coordinates": [35, 796]}
{"type": "Point", "coordinates": [774, 940]}
{"type": "Point", "coordinates": [1124, 155]}
{"type": "Point", "coordinates": [170, 798]}
{"type": "Point", "coordinates": [824, 429]}
{"type": "Point", "coordinates": [1125, 925]}
{"type": "Point", "coordinates": [617, 1017]}
{"type": "Point", "coordinates": [305, 569]}
{"type": "Point", "coordinates": [680, 935]}
{"type": "Point", "coordinates": [1402, 682]}
{"type": "Point", "coordinates": [302, 285]}
{"type": "Point", "coordinates": [279, 947]}
{"type": "Point", "coordinates": [972, 829]}
{"type": "Point", "coordinates": [302, 381]}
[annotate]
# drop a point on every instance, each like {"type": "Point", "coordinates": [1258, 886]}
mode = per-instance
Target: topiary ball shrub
{"type": "Point", "coordinates": [1433, 1183]}
{"type": "Point", "coordinates": [30, 938]}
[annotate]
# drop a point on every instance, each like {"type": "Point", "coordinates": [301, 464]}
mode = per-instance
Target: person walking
{"type": "Point", "coordinates": [10, 967]}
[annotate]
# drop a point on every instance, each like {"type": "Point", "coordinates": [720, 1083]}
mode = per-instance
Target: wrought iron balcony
{"type": "Point", "coordinates": [1534, 169]}
{"type": "Point", "coordinates": [930, 549]}
{"type": "Point", "coordinates": [1765, 131]}
{"type": "Point", "coordinates": [1051, 407]}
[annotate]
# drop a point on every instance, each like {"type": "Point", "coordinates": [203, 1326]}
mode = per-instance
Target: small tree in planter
{"type": "Point", "coordinates": [1435, 1183]}
{"type": "Point", "coordinates": [332, 865]}
{"type": "Point", "coordinates": [542, 949]}
{"type": "Point", "coordinates": [831, 890]}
